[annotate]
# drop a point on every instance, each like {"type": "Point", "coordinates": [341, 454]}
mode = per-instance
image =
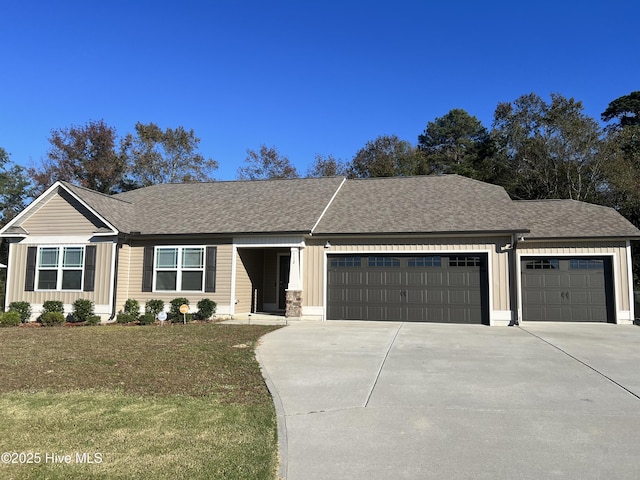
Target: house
{"type": "Point", "coordinates": [429, 248]}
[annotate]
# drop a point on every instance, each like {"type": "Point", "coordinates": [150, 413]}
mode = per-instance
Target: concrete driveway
{"type": "Point", "coordinates": [371, 400]}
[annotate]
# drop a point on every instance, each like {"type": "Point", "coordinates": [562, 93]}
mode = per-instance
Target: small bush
{"type": "Point", "coordinates": [82, 310]}
{"type": "Point", "coordinates": [179, 318]}
{"type": "Point", "coordinates": [146, 319]}
{"type": "Point", "coordinates": [125, 318]}
{"type": "Point", "coordinates": [206, 308]}
{"type": "Point", "coordinates": [94, 320]}
{"type": "Point", "coordinates": [175, 305]}
{"type": "Point", "coordinates": [53, 306]}
{"type": "Point", "coordinates": [132, 307]}
{"type": "Point", "coordinates": [154, 307]}
{"type": "Point", "coordinates": [51, 319]}
{"type": "Point", "coordinates": [11, 318]}
{"type": "Point", "coordinates": [23, 308]}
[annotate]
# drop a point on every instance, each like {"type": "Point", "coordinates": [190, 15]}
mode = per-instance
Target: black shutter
{"type": "Point", "coordinates": [30, 275]}
{"type": "Point", "coordinates": [147, 270]}
{"type": "Point", "coordinates": [210, 270]}
{"type": "Point", "coordinates": [89, 268]}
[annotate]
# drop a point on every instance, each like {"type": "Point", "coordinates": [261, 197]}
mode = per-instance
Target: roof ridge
{"type": "Point", "coordinates": [95, 192]}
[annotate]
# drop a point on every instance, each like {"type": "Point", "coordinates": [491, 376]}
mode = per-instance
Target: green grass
{"type": "Point", "coordinates": [153, 402]}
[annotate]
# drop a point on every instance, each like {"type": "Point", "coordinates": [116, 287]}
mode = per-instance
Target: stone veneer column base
{"type": "Point", "coordinates": [294, 303]}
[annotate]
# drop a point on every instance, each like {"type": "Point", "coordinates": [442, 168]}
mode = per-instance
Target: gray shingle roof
{"type": "Point", "coordinates": [448, 203]}
{"type": "Point", "coordinates": [572, 219]}
{"type": "Point", "coordinates": [265, 206]}
{"type": "Point", "coordinates": [426, 204]}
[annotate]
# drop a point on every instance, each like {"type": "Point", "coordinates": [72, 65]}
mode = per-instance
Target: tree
{"type": "Point", "coordinates": [625, 109]}
{"type": "Point", "coordinates": [458, 143]}
{"type": "Point", "coordinates": [266, 163]}
{"type": "Point", "coordinates": [327, 166]}
{"type": "Point", "coordinates": [83, 155]}
{"type": "Point", "coordinates": [15, 188]}
{"type": "Point", "coordinates": [168, 156]}
{"type": "Point", "coordinates": [386, 156]}
{"type": "Point", "coordinates": [552, 149]}
{"type": "Point", "coordinates": [621, 154]}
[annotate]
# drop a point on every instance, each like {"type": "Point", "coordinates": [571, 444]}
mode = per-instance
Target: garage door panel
{"type": "Point", "coordinates": [416, 296]}
{"type": "Point", "coordinates": [575, 289]}
{"type": "Point", "coordinates": [551, 280]}
{"type": "Point", "coordinates": [458, 297]}
{"type": "Point", "coordinates": [435, 297]}
{"type": "Point", "coordinates": [415, 279]}
{"type": "Point", "coordinates": [597, 298]}
{"type": "Point", "coordinates": [409, 288]}
{"type": "Point", "coordinates": [457, 278]}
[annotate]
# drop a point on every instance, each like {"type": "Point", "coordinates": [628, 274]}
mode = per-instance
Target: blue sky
{"type": "Point", "coordinates": [308, 77]}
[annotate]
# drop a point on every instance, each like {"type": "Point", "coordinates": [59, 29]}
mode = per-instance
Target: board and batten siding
{"type": "Point", "coordinates": [314, 267]}
{"type": "Point", "coordinates": [18, 266]}
{"type": "Point", "coordinates": [614, 248]}
{"type": "Point", "coordinates": [130, 276]}
{"type": "Point", "coordinates": [61, 215]}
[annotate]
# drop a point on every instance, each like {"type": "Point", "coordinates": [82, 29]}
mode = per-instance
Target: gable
{"type": "Point", "coordinates": [61, 214]}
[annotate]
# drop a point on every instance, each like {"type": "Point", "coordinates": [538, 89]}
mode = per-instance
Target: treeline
{"type": "Point", "coordinates": [535, 149]}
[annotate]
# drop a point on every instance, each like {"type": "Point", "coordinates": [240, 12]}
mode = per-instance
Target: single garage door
{"type": "Point", "coordinates": [560, 289]}
{"type": "Point", "coordinates": [408, 288]}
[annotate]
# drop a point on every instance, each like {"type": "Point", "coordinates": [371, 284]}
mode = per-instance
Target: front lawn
{"type": "Point", "coordinates": [183, 401]}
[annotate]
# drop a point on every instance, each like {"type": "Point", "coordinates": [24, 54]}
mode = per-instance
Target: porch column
{"type": "Point", "coordinates": [294, 292]}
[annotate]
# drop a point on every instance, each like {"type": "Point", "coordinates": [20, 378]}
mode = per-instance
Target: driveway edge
{"type": "Point", "coordinates": [283, 449]}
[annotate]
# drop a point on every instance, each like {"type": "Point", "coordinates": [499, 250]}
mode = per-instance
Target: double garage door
{"type": "Point", "coordinates": [409, 288]}
{"type": "Point", "coordinates": [558, 289]}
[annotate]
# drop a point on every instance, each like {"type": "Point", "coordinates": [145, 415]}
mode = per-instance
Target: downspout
{"type": "Point", "coordinates": [116, 254]}
{"type": "Point", "coordinates": [513, 280]}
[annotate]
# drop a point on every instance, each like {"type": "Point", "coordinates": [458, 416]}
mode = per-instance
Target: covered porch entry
{"type": "Point", "coordinates": [267, 280]}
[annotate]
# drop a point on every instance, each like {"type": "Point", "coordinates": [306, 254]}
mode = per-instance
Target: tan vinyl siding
{"type": "Point", "coordinates": [62, 215]}
{"type": "Point", "coordinates": [244, 260]}
{"type": "Point", "coordinates": [100, 296]}
{"type": "Point", "coordinates": [130, 270]}
{"type": "Point", "coordinates": [617, 248]}
{"type": "Point", "coordinates": [123, 278]}
{"type": "Point", "coordinates": [314, 268]}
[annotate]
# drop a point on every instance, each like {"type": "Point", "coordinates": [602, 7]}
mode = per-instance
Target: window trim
{"type": "Point", "coordinates": [179, 269]}
{"type": "Point", "coordinates": [60, 269]}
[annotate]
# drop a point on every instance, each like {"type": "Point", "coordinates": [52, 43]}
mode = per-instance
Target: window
{"type": "Point", "coordinates": [425, 262]}
{"type": "Point", "coordinates": [586, 264]}
{"type": "Point", "coordinates": [345, 261]}
{"type": "Point", "coordinates": [464, 261]}
{"type": "Point", "coordinates": [384, 262]}
{"type": "Point", "coordinates": [543, 264]}
{"type": "Point", "coordinates": [60, 268]}
{"type": "Point", "coordinates": [179, 269]}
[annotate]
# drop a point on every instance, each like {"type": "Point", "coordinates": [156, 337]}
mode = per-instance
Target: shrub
{"type": "Point", "coordinates": [179, 318]}
{"type": "Point", "coordinates": [82, 310]}
{"type": "Point", "coordinates": [94, 320]}
{"type": "Point", "coordinates": [53, 306]}
{"type": "Point", "coordinates": [51, 319]}
{"type": "Point", "coordinates": [132, 307]}
{"type": "Point", "coordinates": [154, 307]}
{"type": "Point", "coordinates": [23, 308]}
{"type": "Point", "coordinates": [146, 319]}
{"type": "Point", "coordinates": [12, 318]}
{"type": "Point", "coordinates": [125, 318]}
{"type": "Point", "coordinates": [206, 308]}
{"type": "Point", "coordinates": [175, 306]}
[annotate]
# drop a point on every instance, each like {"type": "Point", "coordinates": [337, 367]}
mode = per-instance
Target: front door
{"type": "Point", "coordinates": [284, 262]}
